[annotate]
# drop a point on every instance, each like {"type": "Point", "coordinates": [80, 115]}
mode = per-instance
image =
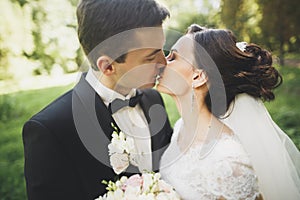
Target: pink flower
{"type": "Point", "coordinates": [133, 181]}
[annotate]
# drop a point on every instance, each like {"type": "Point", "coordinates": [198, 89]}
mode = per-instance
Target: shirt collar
{"type": "Point", "coordinates": [106, 94]}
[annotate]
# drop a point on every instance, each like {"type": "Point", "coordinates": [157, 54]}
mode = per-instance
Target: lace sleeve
{"type": "Point", "coordinates": [229, 174]}
{"type": "Point", "coordinates": [233, 179]}
{"type": "Point", "coordinates": [232, 174]}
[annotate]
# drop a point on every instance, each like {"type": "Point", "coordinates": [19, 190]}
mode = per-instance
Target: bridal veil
{"type": "Point", "coordinates": [275, 158]}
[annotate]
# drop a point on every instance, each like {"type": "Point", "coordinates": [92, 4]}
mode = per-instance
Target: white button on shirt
{"type": "Point", "coordinates": [131, 120]}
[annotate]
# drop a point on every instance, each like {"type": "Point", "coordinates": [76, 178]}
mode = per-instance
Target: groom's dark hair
{"type": "Point", "coordinates": [98, 20]}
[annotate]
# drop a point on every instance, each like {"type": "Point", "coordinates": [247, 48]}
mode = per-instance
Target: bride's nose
{"type": "Point", "coordinates": [168, 60]}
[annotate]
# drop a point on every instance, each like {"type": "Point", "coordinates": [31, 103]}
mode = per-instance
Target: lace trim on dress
{"type": "Point", "coordinates": [227, 171]}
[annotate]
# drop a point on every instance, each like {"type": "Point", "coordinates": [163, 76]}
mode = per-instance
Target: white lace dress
{"type": "Point", "coordinates": [224, 171]}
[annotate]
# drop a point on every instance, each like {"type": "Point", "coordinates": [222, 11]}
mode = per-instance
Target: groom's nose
{"type": "Point", "coordinates": [161, 59]}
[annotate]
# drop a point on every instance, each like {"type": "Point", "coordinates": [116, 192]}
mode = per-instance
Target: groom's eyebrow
{"type": "Point", "coordinates": [153, 53]}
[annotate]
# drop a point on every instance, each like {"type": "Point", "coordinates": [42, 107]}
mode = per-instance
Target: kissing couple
{"type": "Point", "coordinates": [225, 144]}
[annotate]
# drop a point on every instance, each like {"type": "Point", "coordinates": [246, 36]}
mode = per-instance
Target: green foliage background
{"type": "Point", "coordinates": [38, 36]}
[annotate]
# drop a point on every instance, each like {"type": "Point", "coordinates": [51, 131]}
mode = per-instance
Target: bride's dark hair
{"type": "Point", "coordinates": [249, 71]}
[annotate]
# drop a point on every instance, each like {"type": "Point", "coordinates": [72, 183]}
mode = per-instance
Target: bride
{"type": "Point", "coordinates": [225, 145]}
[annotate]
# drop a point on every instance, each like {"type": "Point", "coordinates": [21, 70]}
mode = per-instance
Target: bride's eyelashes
{"type": "Point", "coordinates": [171, 56]}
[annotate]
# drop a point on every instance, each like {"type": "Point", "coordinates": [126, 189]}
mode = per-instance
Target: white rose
{"type": "Point", "coordinates": [121, 136]}
{"type": "Point", "coordinates": [110, 195]}
{"type": "Point", "coordinates": [118, 141]}
{"type": "Point", "coordinates": [157, 176]}
{"type": "Point", "coordinates": [115, 148]}
{"type": "Point", "coordinates": [129, 146]}
{"type": "Point", "coordinates": [123, 179]}
{"type": "Point", "coordinates": [162, 196]}
{"type": "Point", "coordinates": [119, 162]}
{"type": "Point", "coordinates": [118, 194]}
{"type": "Point", "coordinates": [134, 159]}
{"type": "Point", "coordinates": [132, 192]}
{"type": "Point", "coordinates": [119, 184]}
{"type": "Point", "coordinates": [147, 182]}
{"type": "Point", "coordinates": [100, 198]}
{"type": "Point", "coordinates": [163, 186]}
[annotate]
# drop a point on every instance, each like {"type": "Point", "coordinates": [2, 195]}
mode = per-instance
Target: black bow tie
{"type": "Point", "coordinates": [118, 104]}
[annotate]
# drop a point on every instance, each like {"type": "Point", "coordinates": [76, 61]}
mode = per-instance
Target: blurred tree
{"type": "Point", "coordinates": [38, 36]}
{"type": "Point", "coordinates": [242, 17]}
{"type": "Point", "coordinates": [274, 24]}
{"type": "Point", "coordinates": [3, 61]}
{"type": "Point", "coordinates": [280, 25]}
{"type": "Point", "coordinates": [39, 53]}
{"type": "Point", "coordinates": [54, 34]}
{"type": "Point", "coordinates": [15, 37]}
{"type": "Point", "coordinates": [185, 13]}
{"type": "Point", "coordinates": [20, 2]}
{"type": "Point", "coordinates": [229, 14]}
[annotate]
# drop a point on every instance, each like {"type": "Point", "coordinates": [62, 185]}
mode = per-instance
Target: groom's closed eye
{"type": "Point", "coordinates": [152, 55]}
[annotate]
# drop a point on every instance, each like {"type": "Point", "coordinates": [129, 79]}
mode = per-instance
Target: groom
{"type": "Point", "coordinates": [66, 144]}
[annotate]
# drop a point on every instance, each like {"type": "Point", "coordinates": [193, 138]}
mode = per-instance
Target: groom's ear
{"type": "Point", "coordinates": [104, 64]}
{"type": "Point", "coordinates": [199, 78]}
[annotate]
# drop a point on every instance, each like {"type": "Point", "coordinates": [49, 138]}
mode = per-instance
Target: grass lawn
{"type": "Point", "coordinates": [285, 110]}
{"type": "Point", "coordinates": [20, 107]}
{"type": "Point", "coordinates": [16, 108]}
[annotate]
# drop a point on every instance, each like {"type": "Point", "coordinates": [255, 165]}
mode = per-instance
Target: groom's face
{"type": "Point", "coordinates": [140, 68]}
{"type": "Point", "coordinates": [142, 64]}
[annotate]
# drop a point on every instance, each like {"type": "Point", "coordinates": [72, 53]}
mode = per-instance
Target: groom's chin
{"type": "Point", "coordinates": [147, 86]}
{"type": "Point", "coordinates": [162, 89]}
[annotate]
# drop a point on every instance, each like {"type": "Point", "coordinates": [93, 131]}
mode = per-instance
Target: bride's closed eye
{"type": "Point", "coordinates": [171, 56]}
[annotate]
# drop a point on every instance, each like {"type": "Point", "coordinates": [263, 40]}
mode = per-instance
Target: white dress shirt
{"type": "Point", "coordinates": [131, 120]}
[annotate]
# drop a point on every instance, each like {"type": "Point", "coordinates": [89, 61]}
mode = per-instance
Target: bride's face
{"type": "Point", "coordinates": [177, 76]}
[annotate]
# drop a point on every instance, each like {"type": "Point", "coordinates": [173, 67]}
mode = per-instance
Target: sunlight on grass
{"type": "Point", "coordinates": [38, 82]}
{"type": "Point", "coordinates": [23, 105]}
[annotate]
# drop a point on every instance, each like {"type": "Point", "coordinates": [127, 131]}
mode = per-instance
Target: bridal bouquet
{"type": "Point", "coordinates": [148, 186]}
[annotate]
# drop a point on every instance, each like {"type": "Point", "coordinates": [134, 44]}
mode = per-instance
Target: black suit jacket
{"type": "Point", "coordinates": [65, 144]}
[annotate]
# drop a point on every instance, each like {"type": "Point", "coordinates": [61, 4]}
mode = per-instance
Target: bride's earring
{"type": "Point", "coordinates": [193, 97]}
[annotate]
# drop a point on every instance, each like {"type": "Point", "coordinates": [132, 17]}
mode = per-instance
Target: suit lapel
{"type": "Point", "coordinates": [104, 117]}
{"type": "Point", "coordinates": [145, 105]}
{"type": "Point", "coordinates": [156, 121]}
{"type": "Point", "coordinates": [92, 120]}
{"type": "Point", "coordinates": [97, 117]}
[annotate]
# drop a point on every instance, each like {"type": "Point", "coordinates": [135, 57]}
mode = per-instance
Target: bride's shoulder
{"type": "Point", "coordinates": [177, 126]}
{"type": "Point", "coordinates": [229, 145]}
{"type": "Point", "coordinates": [176, 130]}
{"type": "Point", "coordinates": [178, 123]}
